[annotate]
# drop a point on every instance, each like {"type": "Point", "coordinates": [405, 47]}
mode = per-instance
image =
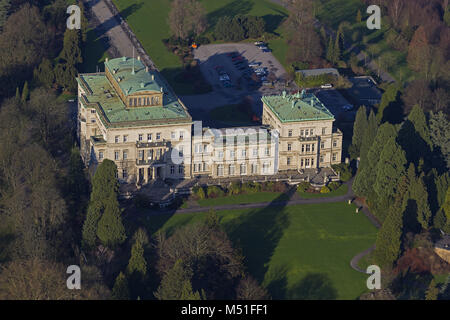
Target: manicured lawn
{"type": "Point", "coordinates": [341, 191]}
{"type": "Point", "coordinates": [297, 252]}
{"type": "Point", "coordinates": [148, 20]}
{"type": "Point", "coordinates": [332, 12]}
{"type": "Point", "coordinates": [244, 198]}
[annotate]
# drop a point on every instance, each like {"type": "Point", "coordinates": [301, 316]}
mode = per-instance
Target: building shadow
{"type": "Point", "coordinates": [258, 233]}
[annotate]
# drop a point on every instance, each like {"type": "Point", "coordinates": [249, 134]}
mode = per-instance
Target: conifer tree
{"type": "Point", "coordinates": [89, 233]}
{"type": "Point", "coordinates": [111, 231]}
{"type": "Point", "coordinates": [433, 291]}
{"type": "Point", "coordinates": [369, 135]}
{"type": "Point", "coordinates": [358, 16]}
{"type": "Point", "coordinates": [359, 127]}
{"type": "Point", "coordinates": [175, 283]}
{"type": "Point", "coordinates": [25, 92]}
{"type": "Point", "coordinates": [120, 289]}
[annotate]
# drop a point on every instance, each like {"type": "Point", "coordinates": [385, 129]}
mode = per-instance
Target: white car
{"type": "Point", "coordinates": [254, 65]}
{"type": "Point", "coordinates": [258, 43]}
{"type": "Point", "coordinates": [327, 86]}
{"type": "Point", "coordinates": [224, 77]}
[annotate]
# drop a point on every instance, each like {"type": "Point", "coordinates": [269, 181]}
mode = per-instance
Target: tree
{"type": "Point", "coordinates": [25, 92]}
{"type": "Point", "coordinates": [120, 289]}
{"type": "Point", "coordinates": [71, 52]}
{"type": "Point", "coordinates": [369, 135]}
{"type": "Point", "coordinates": [440, 134]}
{"type": "Point", "coordinates": [432, 291]}
{"type": "Point", "coordinates": [358, 16]}
{"type": "Point", "coordinates": [388, 100]}
{"type": "Point", "coordinates": [44, 74]}
{"type": "Point", "coordinates": [358, 128]}
{"type": "Point", "coordinates": [176, 283]}
{"type": "Point", "coordinates": [111, 231]}
{"type": "Point", "coordinates": [389, 170]}
{"type": "Point", "coordinates": [5, 6]}
{"type": "Point", "coordinates": [89, 233]}
{"type": "Point", "coordinates": [249, 289]}
{"type": "Point", "coordinates": [417, 93]}
{"type": "Point", "coordinates": [187, 18]}
{"type": "Point", "coordinates": [105, 181]}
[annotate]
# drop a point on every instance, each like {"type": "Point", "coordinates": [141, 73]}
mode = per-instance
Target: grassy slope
{"type": "Point", "coordinates": [298, 249]}
{"type": "Point", "coordinates": [243, 198]}
{"type": "Point", "coordinates": [342, 190]}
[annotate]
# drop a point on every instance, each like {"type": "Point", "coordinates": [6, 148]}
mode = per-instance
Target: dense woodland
{"type": "Point", "coordinates": [55, 214]}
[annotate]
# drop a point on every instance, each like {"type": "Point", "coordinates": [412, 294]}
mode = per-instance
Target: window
{"type": "Point", "coordinates": [334, 143]}
{"type": "Point", "coordinates": [198, 148]}
{"type": "Point", "coordinates": [303, 148]}
{"type": "Point", "coordinates": [322, 145]}
{"type": "Point", "coordinates": [313, 146]}
{"type": "Point", "coordinates": [321, 159]}
{"type": "Point", "coordinates": [220, 170]}
{"type": "Point", "coordinates": [243, 168]}
{"type": "Point", "coordinates": [135, 102]}
{"type": "Point", "coordinates": [334, 156]}
{"type": "Point", "coordinates": [172, 135]}
{"type": "Point", "coordinates": [302, 133]}
{"type": "Point", "coordinates": [243, 153]}
{"type": "Point", "coordinates": [125, 138]}
{"type": "Point", "coordinates": [141, 155]}
{"type": "Point", "coordinates": [93, 120]}
{"type": "Point", "coordinates": [150, 154]}
{"type": "Point", "coordinates": [125, 155]}
{"type": "Point", "coordinates": [181, 135]}
{"type": "Point", "coordinates": [232, 154]}
{"type": "Point", "coordinates": [301, 163]}
{"type": "Point", "coordinates": [204, 166]}
{"type": "Point", "coordinates": [308, 148]}
{"type": "Point", "coordinates": [130, 102]}
{"type": "Point", "coordinates": [116, 155]}
{"type": "Point", "coordinates": [205, 148]}
{"type": "Point", "coordinates": [92, 110]}
{"type": "Point", "coordinates": [266, 167]}
{"type": "Point", "coordinates": [290, 133]}
{"type": "Point", "coordinates": [231, 169]}
{"type": "Point", "coordinates": [255, 152]}
{"type": "Point", "coordinates": [100, 155]}
{"type": "Point", "coordinates": [306, 132]}
{"type": "Point", "coordinates": [289, 147]}
{"type": "Point", "coordinates": [172, 169]}
{"type": "Point", "coordinates": [307, 162]}
{"type": "Point", "coordinates": [195, 167]}
{"type": "Point", "coordinates": [140, 137]}
{"type": "Point", "coordinates": [124, 173]}
{"type": "Point", "coordinates": [220, 154]}
{"type": "Point", "coordinates": [267, 152]}
{"type": "Point", "coordinates": [180, 169]}
{"type": "Point", "coordinates": [324, 130]}
{"type": "Point", "coordinates": [254, 168]}
{"type": "Point", "coordinates": [158, 153]}
{"type": "Point", "coordinates": [312, 162]}
{"type": "Point", "coordinates": [149, 137]}
{"type": "Point", "coordinates": [180, 151]}
{"type": "Point", "coordinates": [158, 135]}
{"type": "Point", "coordinates": [288, 161]}
{"type": "Point", "coordinates": [311, 132]}
{"type": "Point", "coordinates": [116, 139]}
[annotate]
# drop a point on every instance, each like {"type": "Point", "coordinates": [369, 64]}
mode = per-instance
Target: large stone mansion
{"type": "Point", "coordinates": [129, 114]}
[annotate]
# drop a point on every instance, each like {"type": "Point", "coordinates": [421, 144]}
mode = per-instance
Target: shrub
{"type": "Point", "coordinates": [199, 193]}
{"type": "Point", "coordinates": [334, 185]}
{"type": "Point", "coordinates": [250, 187]}
{"type": "Point", "coordinates": [303, 186]}
{"type": "Point", "coordinates": [215, 192]}
{"type": "Point", "coordinates": [324, 189]}
{"type": "Point", "coordinates": [345, 170]}
{"type": "Point", "coordinates": [235, 188]}
{"type": "Point", "coordinates": [279, 186]}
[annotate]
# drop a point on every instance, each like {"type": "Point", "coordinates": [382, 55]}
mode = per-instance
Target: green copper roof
{"type": "Point", "coordinates": [297, 107]}
{"type": "Point", "coordinates": [101, 95]}
{"type": "Point", "coordinates": [132, 82]}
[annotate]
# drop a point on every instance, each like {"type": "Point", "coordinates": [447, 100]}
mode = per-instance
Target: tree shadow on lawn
{"type": "Point", "coordinates": [258, 232]}
{"type": "Point", "coordinates": [232, 9]}
{"type": "Point", "coordinates": [273, 21]}
{"type": "Point", "coordinates": [128, 11]}
{"type": "Point", "coordinates": [314, 286]}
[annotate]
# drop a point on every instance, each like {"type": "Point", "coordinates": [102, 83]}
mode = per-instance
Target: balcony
{"type": "Point", "coordinates": [306, 139]}
{"type": "Point", "coordinates": [152, 144]}
{"type": "Point", "coordinates": [149, 162]}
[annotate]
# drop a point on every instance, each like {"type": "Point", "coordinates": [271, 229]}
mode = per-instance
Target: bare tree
{"type": "Point", "coordinates": [186, 18]}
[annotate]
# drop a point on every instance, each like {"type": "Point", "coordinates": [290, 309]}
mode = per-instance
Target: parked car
{"type": "Point", "coordinates": [227, 84]}
{"type": "Point", "coordinates": [224, 77]}
{"type": "Point", "coordinates": [237, 58]}
{"type": "Point", "coordinates": [254, 64]}
{"type": "Point", "coordinates": [347, 107]}
{"type": "Point", "coordinates": [267, 83]}
{"type": "Point", "coordinates": [258, 43]}
{"type": "Point", "coordinates": [327, 86]}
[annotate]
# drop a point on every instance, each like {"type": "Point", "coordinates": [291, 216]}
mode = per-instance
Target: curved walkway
{"type": "Point", "coordinates": [359, 256]}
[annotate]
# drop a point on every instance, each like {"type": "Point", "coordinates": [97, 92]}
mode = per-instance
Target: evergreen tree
{"type": "Point", "coordinates": [89, 233]}
{"type": "Point", "coordinates": [359, 126]}
{"type": "Point", "coordinates": [419, 120]}
{"type": "Point", "coordinates": [358, 16]}
{"type": "Point", "coordinates": [17, 94]}
{"type": "Point", "coordinates": [369, 135]}
{"type": "Point", "coordinates": [137, 263]}
{"type": "Point", "coordinates": [120, 289]}
{"type": "Point", "coordinates": [330, 51]}
{"type": "Point", "coordinates": [71, 52]}
{"type": "Point", "coordinates": [44, 75]}
{"type": "Point", "coordinates": [446, 208]}
{"type": "Point", "coordinates": [187, 293]}
{"type": "Point", "coordinates": [432, 292]}
{"type": "Point", "coordinates": [387, 100]}
{"type": "Point", "coordinates": [175, 283]}
{"type": "Point", "coordinates": [76, 180]}
{"type": "Point", "coordinates": [111, 231]}
{"type": "Point", "coordinates": [389, 169]}
{"type": "Point", "coordinates": [440, 134]}
{"type": "Point", "coordinates": [25, 92]}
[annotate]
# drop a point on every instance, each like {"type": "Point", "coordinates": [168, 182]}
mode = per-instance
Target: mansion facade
{"type": "Point", "coordinates": [130, 115]}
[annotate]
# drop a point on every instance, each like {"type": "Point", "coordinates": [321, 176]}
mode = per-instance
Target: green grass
{"type": "Point", "coordinates": [243, 198]}
{"type": "Point", "coordinates": [332, 12]}
{"type": "Point", "coordinates": [296, 249]}
{"type": "Point", "coordinates": [148, 20]}
{"type": "Point", "coordinates": [341, 191]}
